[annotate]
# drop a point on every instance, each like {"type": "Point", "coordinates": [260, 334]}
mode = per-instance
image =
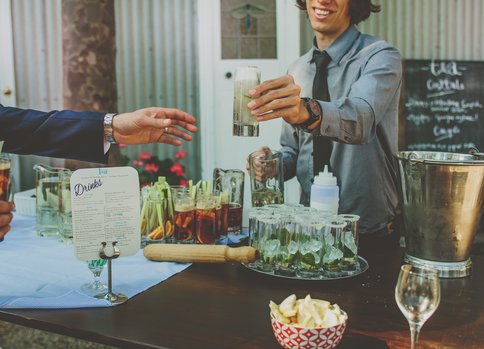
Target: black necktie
{"type": "Point", "coordinates": [321, 145]}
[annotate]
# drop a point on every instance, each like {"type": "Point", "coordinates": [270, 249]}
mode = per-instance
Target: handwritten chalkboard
{"type": "Point", "coordinates": [443, 105]}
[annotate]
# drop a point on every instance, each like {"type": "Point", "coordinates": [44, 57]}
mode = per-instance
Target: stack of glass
{"type": "Point", "coordinates": [302, 242]}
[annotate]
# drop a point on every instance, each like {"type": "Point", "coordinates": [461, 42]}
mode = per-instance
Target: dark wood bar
{"type": "Point", "coordinates": [226, 306]}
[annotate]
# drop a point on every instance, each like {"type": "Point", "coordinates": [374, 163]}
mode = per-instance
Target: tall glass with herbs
{"type": "Point", "coordinates": [289, 248]}
{"type": "Point", "coordinates": [244, 123]}
{"type": "Point", "coordinates": [310, 237]}
{"type": "Point", "coordinates": [268, 242]}
{"type": "Point", "coordinates": [333, 249]}
{"type": "Point", "coordinates": [349, 243]}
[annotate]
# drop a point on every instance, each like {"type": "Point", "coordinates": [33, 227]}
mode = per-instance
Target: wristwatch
{"type": "Point", "coordinates": [108, 128]}
{"type": "Point", "coordinates": [315, 113]}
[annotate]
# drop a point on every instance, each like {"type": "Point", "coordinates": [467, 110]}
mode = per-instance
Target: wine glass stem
{"type": "Point", "coordinates": [414, 333]}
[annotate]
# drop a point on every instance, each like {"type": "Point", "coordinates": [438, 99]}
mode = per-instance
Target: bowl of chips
{"type": "Point", "coordinates": [307, 323]}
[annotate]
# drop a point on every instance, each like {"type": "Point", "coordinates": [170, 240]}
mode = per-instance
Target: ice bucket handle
{"type": "Point", "coordinates": [476, 153]}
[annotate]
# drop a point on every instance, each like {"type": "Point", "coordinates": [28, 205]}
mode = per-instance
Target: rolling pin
{"type": "Point", "coordinates": [199, 253]}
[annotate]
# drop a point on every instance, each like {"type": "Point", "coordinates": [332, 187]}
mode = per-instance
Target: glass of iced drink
{"type": "Point", "coordinates": [5, 166]}
{"type": "Point", "coordinates": [206, 228]}
{"type": "Point", "coordinates": [231, 182]}
{"type": "Point", "coordinates": [268, 242]}
{"type": "Point", "coordinates": [47, 199]}
{"type": "Point", "coordinates": [310, 238]}
{"type": "Point", "coordinates": [333, 250]}
{"type": "Point", "coordinates": [349, 242]}
{"type": "Point", "coordinates": [244, 123]}
{"type": "Point", "coordinates": [184, 218]}
{"type": "Point", "coordinates": [288, 252]}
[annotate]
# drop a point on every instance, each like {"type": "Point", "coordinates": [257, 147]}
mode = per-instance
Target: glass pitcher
{"type": "Point", "coordinates": [232, 183]}
{"type": "Point", "coordinates": [266, 177]}
{"type": "Point", "coordinates": [48, 190]}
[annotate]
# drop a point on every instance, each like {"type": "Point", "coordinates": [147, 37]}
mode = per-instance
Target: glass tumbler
{"type": "Point", "coordinates": [310, 237]}
{"type": "Point", "coordinates": [349, 242]}
{"type": "Point", "coordinates": [333, 250]}
{"type": "Point", "coordinates": [288, 251]}
{"type": "Point", "coordinates": [269, 243]}
{"type": "Point", "coordinates": [244, 123]}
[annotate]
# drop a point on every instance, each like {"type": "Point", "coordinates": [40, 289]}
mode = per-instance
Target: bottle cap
{"type": "Point", "coordinates": [325, 178]}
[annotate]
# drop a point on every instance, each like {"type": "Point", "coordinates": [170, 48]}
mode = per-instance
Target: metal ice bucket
{"type": "Point", "coordinates": [442, 197]}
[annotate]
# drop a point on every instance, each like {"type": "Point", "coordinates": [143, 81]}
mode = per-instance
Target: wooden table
{"type": "Point", "coordinates": [226, 306]}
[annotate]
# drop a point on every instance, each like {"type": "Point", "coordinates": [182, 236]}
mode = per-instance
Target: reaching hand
{"type": "Point", "coordinates": [278, 98]}
{"type": "Point", "coordinates": [6, 216]}
{"type": "Point", "coordinates": [264, 167]}
{"type": "Point", "coordinates": [151, 125]}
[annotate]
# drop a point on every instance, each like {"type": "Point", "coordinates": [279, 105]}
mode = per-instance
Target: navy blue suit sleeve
{"type": "Point", "coordinates": [63, 134]}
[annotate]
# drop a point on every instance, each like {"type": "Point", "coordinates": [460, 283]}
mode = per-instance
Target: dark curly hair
{"type": "Point", "coordinates": [359, 9]}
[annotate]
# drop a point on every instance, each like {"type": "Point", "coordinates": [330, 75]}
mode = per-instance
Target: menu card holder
{"type": "Point", "coordinates": [114, 298]}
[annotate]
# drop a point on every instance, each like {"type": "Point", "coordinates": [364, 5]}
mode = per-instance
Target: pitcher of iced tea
{"type": "Point", "coordinates": [232, 183]}
{"type": "Point", "coordinates": [48, 185]}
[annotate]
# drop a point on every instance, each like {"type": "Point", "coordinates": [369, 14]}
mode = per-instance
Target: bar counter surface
{"type": "Point", "coordinates": [226, 306]}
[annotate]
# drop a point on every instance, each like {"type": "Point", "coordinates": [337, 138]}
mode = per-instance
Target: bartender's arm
{"type": "Point", "coordinates": [6, 216]}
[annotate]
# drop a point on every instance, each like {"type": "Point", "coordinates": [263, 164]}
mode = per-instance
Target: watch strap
{"type": "Point", "coordinates": [315, 113]}
{"type": "Point", "coordinates": [108, 128]}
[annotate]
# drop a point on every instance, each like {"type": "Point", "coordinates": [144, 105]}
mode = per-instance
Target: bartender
{"type": "Point", "coordinates": [339, 103]}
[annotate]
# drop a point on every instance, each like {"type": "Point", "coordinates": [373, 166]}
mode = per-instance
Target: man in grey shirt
{"type": "Point", "coordinates": [361, 118]}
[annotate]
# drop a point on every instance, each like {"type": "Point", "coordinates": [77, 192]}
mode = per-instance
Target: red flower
{"type": "Point", "coordinates": [138, 163]}
{"type": "Point", "coordinates": [144, 156]}
{"type": "Point", "coordinates": [181, 154]}
{"type": "Point", "coordinates": [152, 168]}
{"type": "Point", "coordinates": [121, 145]}
{"type": "Point", "coordinates": [184, 182]}
{"type": "Point", "coordinates": [177, 169]}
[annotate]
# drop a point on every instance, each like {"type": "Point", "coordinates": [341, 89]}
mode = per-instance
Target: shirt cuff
{"type": "Point", "coordinates": [107, 146]}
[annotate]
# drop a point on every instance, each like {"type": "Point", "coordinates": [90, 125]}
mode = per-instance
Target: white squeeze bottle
{"type": "Point", "coordinates": [325, 192]}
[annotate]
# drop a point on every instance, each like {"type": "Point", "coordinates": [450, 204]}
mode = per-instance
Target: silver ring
{"type": "Point", "coordinates": [166, 129]}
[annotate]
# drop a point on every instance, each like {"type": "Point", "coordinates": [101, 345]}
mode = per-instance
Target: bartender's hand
{"type": "Point", "coordinates": [6, 216]}
{"type": "Point", "coordinates": [278, 98]}
{"type": "Point", "coordinates": [151, 125]}
{"type": "Point", "coordinates": [262, 171]}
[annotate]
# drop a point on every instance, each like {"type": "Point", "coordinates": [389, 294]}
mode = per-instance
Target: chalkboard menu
{"type": "Point", "coordinates": [443, 105]}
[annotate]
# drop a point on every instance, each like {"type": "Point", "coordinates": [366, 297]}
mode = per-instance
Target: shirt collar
{"type": "Point", "coordinates": [341, 45]}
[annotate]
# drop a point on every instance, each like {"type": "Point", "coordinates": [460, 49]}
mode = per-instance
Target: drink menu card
{"type": "Point", "coordinates": [105, 208]}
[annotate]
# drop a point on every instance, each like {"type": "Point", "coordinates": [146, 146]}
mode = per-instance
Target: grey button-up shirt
{"type": "Point", "coordinates": [364, 78]}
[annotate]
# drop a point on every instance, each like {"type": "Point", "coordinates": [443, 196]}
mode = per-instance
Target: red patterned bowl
{"type": "Point", "coordinates": [293, 337]}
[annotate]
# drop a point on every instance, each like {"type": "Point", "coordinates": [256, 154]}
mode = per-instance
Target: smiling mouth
{"type": "Point", "coordinates": [320, 12]}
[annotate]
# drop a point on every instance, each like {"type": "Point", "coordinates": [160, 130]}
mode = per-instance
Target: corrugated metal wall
{"type": "Point", "coordinates": [426, 29]}
{"type": "Point", "coordinates": [156, 63]}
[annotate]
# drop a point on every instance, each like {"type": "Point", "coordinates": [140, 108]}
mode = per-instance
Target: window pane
{"type": "Point", "coordinates": [248, 29]}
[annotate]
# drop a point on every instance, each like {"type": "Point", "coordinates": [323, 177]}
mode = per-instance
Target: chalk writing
{"type": "Point", "coordinates": [443, 105]}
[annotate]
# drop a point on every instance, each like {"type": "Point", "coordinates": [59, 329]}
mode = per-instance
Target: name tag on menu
{"type": "Point", "coordinates": [105, 208]}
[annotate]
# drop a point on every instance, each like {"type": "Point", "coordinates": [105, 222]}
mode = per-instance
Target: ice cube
{"type": "Point", "coordinates": [292, 247]}
{"type": "Point", "coordinates": [332, 254]}
{"type": "Point", "coordinates": [271, 247]}
{"type": "Point", "coordinates": [349, 242]}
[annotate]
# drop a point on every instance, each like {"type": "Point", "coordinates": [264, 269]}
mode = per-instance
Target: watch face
{"type": "Point", "coordinates": [314, 106]}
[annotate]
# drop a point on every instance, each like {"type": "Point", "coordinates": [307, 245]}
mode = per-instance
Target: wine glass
{"type": "Point", "coordinates": [418, 295]}
{"type": "Point", "coordinates": [96, 266]}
